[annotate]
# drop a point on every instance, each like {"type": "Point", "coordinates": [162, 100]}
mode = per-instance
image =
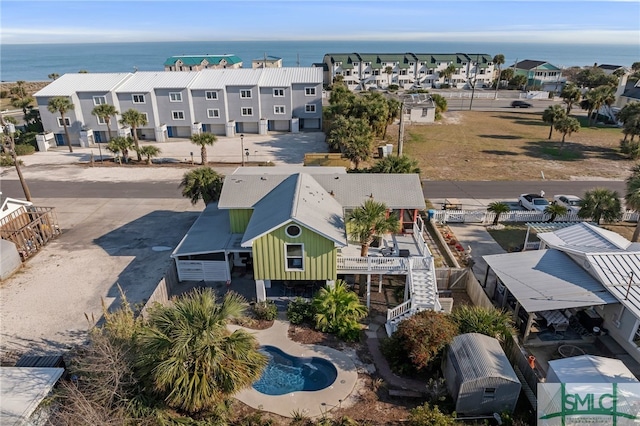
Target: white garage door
{"type": "Point", "coordinates": [216, 129]}
{"type": "Point", "coordinates": [194, 270]}
{"type": "Point", "coordinates": [248, 127]}
{"type": "Point", "coordinates": [279, 125]}
{"type": "Point", "coordinates": [311, 123]}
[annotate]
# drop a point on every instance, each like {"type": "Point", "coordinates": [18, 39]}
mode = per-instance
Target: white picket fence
{"type": "Point", "coordinates": [483, 216]}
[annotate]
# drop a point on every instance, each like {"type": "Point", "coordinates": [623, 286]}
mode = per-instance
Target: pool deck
{"type": "Point", "coordinates": [311, 404]}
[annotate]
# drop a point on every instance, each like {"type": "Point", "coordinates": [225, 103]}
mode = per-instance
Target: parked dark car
{"type": "Point", "coordinates": [521, 104]}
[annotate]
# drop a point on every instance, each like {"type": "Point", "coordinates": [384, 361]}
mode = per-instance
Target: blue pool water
{"type": "Point", "coordinates": [286, 373]}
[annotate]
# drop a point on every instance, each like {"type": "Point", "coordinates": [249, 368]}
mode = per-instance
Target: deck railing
{"type": "Point", "coordinates": [399, 310]}
{"type": "Point", "coordinates": [373, 264]}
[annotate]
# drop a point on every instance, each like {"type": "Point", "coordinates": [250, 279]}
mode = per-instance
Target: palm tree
{"type": "Point", "coordinates": [632, 198]}
{"type": "Point", "coordinates": [394, 106]}
{"type": "Point", "coordinates": [488, 321]}
{"type": "Point", "coordinates": [555, 210]}
{"type": "Point", "coordinates": [368, 221]}
{"type": "Point", "coordinates": [551, 115]}
{"type": "Point", "coordinates": [566, 126]}
{"type": "Point", "coordinates": [629, 115]}
{"type": "Point", "coordinates": [338, 310]}
{"type": "Point", "coordinates": [204, 139]}
{"type": "Point", "coordinates": [498, 61]}
{"type": "Point", "coordinates": [121, 145]}
{"type": "Point", "coordinates": [395, 164]}
{"type": "Point", "coordinates": [54, 76]}
{"type": "Point", "coordinates": [600, 203]}
{"type": "Point", "coordinates": [202, 183]}
{"type": "Point", "coordinates": [388, 70]}
{"type": "Point", "coordinates": [134, 119]}
{"type": "Point", "coordinates": [148, 151]}
{"type": "Point", "coordinates": [498, 208]}
{"type": "Point", "coordinates": [570, 95]}
{"type": "Point", "coordinates": [105, 112]}
{"type": "Point", "coordinates": [62, 104]}
{"type": "Point", "coordinates": [190, 357]}
{"type": "Point", "coordinates": [447, 72]}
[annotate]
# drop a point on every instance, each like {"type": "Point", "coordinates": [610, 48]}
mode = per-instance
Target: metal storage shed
{"type": "Point", "coordinates": [479, 376]}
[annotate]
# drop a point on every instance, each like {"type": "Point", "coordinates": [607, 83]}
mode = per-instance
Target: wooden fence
{"type": "Point", "coordinates": [163, 291]}
{"type": "Point", "coordinates": [483, 216]}
{"type": "Point", "coordinates": [30, 228]}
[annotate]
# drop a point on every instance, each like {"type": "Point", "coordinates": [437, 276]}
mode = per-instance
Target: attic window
{"type": "Point", "coordinates": [293, 231]}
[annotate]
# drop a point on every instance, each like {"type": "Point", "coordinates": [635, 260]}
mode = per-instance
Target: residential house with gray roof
{"type": "Point", "coordinates": [288, 225]}
{"type": "Point", "coordinates": [540, 74]}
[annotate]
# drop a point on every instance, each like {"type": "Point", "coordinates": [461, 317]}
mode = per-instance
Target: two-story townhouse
{"type": "Point", "coordinates": [219, 101]}
{"type": "Point", "coordinates": [201, 62]}
{"type": "Point", "coordinates": [341, 66]}
{"type": "Point", "coordinates": [85, 91]}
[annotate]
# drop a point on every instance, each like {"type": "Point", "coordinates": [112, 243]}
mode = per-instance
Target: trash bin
{"type": "Point", "coordinates": [430, 214]}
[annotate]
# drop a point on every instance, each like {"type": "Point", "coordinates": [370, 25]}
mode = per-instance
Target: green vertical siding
{"type": "Point", "coordinates": [239, 219]}
{"type": "Point", "coordinates": [269, 259]}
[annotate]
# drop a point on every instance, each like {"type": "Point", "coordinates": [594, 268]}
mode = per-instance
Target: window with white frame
{"type": "Point", "coordinates": [175, 97]}
{"type": "Point", "coordinates": [294, 257]}
{"type": "Point", "coordinates": [99, 100]}
{"type": "Point", "coordinates": [247, 111]}
{"type": "Point", "coordinates": [278, 93]}
{"type": "Point", "coordinates": [138, 98]}
{"type": "Point", "coordinates": [245, 94]}
{"type": "Point", "coordinates": [146, 116]}
{"type": "Point", "coordinates": [66, 121]}
{"type": "Point", "coordinates": [178, 115]}
{"type": "Point", "coordinates": [310, 108]}
{"type": "Point", "coordinates": [278, 109]}
{"type": "Point", "coordinates": [213, 113]}
{"type": "Point", "coordinates": [309, 91]}
{"type": "Point", "coordinates": [101, 121]}
{"type": "Point", "coordinates": [211, 95]}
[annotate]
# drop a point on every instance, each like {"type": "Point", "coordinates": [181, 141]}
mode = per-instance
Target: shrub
{"type": "Point", "coordinates": [424, 335]}
{"type": "Point", "coordinates": [266, 310]}
{"type": "Point", "coordinates": [299, 311]}
{"type": "Point", "coordinates": [25, 150]}
{"type": "Point", "coordinates": [425, 415]}
{"type": "Point", "coordinates": [7, 161]}
{"type": "Point", "coordinates": [491, 322]}
{"type": "Point", "coordinates": [4, 94]}
{"type": "Point", "coordinates": [393, 87]}
{"type": "Point", "coordinates": [445, 86]}
{"type": "Point", "coordinates": [630, 148]}
{"type": "Point", "coordinates": [338, 311]}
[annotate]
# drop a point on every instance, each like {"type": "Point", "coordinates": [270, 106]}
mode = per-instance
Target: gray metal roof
{"type": "Point", "coordinates": [351, 190]}
{"type": "Point", "coordinates": [299, 198]}
{"type": "Point", "coordinates": [543, 280]}
{"type": "Point", "coordinates": [479, 356]}
{"type": "Point", "coordinates": [590, 369]}
{"type": "Point", "coordinates": [68, 84]}
{"type": "Point", "coordinates": [22, 389]}
{"type": "Point", "coordinates": [262, 77]}
{"type": "Point", "coordinates": [585, 237]}
{"type": "Point", "coordinates": [540, 227]}
{"type": "Point", "coordinates": [620, 274]}
{"type": "Point", "coordinates": [210, 233]}
{"type": "Point", "coordinates": [146, 81]}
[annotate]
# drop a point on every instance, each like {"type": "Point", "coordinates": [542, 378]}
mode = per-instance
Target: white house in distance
{"type": "Point", "coordinates": [362, 70]}
{"type": "Point", "coordinates": [180, 104]}
{"type": "Point", "coordinates": [201, 62]}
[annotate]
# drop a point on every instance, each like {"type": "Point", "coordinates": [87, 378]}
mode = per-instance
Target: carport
{"type": "Point", "coordinates": [543, 281]}
{"type": "Point", "coordinates": [209, 250]}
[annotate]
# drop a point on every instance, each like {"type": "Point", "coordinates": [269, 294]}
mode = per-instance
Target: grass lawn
{"type": "Point", "coordinates": [512, 235]}
{"type": "Point", "coordinates": [506, 145]}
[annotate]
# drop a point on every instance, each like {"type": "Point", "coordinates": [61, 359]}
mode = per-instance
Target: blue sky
{"type": "Point", "coordinates": [558, 21]}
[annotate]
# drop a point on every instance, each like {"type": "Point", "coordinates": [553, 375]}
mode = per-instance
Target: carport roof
{"type": "Point", "coordinates": [210, 233]}
{"type": "Point", "coordinates": [22, 389]}
{"type": "Point", "coordinates": [543, 280]}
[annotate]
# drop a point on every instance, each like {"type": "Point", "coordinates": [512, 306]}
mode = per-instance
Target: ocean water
{"type": "Point", "coordinates": [34, 62]}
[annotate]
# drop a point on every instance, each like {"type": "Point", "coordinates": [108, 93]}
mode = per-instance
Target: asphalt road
{"type": "Point", "coordinates": [431, 189]}
{"type": "Point", "coordinates": [454, 104]}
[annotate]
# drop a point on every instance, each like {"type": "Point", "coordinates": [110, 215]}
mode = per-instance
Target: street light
{"type": "Point", "coordinates": [242, 147]}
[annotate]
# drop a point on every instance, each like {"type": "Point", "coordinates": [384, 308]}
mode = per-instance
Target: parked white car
{"type": "Point", "coordinates": [571, 202]}
{"type": "Point", "coordinates": [533, 202]}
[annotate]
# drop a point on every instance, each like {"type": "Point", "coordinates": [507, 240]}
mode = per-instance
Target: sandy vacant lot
{"type": "Point", "coordinates": [105, 243]}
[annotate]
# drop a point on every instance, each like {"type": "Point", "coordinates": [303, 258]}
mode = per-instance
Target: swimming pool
{"type": "Point", "coordinates": [285, 373]}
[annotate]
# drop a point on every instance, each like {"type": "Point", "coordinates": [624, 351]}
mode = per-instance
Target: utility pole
{"type": "Point", "coordinates": [9, 130]}
{"type": "Point", "coordinates": [475, 81]}
{"type": "Point", "coordinates": [401, 130]}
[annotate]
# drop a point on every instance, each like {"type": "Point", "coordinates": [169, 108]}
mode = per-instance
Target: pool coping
{"type": "Point", "coordinates": [308, 403]}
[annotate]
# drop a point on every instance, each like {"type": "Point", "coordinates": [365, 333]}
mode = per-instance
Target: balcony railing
{"type": "Point", "coordinates": [373, 264]}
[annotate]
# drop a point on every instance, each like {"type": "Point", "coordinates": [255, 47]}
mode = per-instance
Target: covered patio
{"type": "Point", "coordinates": [545, 289]}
